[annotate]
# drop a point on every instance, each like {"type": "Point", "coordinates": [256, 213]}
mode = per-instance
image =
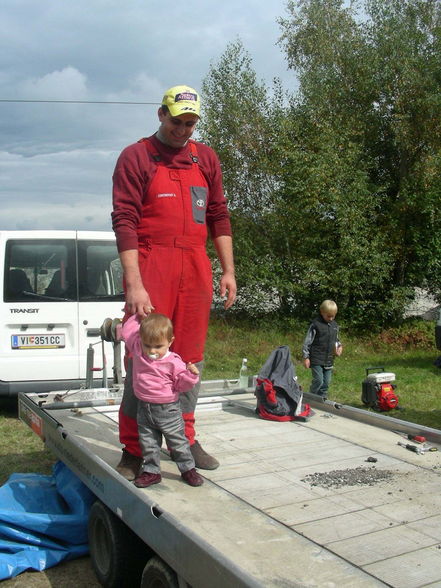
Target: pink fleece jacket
{"type": "Point", "coordinates": [158, 381]}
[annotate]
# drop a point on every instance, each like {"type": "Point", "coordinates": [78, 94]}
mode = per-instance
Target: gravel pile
{"type": "Point", "coordinates": [361, 476]}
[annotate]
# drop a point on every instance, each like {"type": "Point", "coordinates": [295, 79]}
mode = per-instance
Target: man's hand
{"type": "Point", "coordinates": [228, 285]}
{"type": "Point", "coordinates": [224, 248]}
{"type": "Point", "coordinates": [138, 301]}
{"type": "Point", "coordinates": [307, 363]}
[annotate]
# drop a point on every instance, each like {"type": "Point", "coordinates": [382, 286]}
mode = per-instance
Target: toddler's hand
{"type": "Point", "coordinates": [192, 368]}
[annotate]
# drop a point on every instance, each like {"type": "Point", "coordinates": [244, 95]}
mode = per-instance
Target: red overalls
{"type": "Point", "coordinates": [175, 270]}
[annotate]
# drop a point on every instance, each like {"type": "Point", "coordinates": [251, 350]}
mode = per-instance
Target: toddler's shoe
{"type": "Point", "coordinates": [192, 477]}
{"type": "Point", "coordinates": [147, 479]}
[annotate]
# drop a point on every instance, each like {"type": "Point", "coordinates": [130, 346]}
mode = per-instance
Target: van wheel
{"type": "Point", "coordinates": [157, 574]}
{"type": "Point", "coordinates": [117, 554]}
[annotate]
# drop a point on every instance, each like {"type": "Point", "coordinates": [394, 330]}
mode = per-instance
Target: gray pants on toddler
{"type": "Point", "coordinates": [155, 421]}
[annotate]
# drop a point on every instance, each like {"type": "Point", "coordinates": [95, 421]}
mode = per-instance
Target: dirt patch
{"type": "Point", "coordinates": [361, 476]}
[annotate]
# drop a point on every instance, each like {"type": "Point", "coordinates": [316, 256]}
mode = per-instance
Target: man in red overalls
{"type": "Point", "coordinates": [167, 196]}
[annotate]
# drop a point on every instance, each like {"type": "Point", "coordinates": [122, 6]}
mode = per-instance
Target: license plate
{"type": "Point", "coordinates": [52, 341]}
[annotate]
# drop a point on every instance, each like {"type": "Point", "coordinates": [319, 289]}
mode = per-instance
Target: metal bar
{"type": "Point", "coordinates": [89, 366]}
{"type": "Point", "coordinates": [117, 371]}
{"type": "Point", "coordinates": [82, 404]}
{"type": "Point", "coordinates": [376, 419]}
{"type": "Point", "coordinates": [104, 364]}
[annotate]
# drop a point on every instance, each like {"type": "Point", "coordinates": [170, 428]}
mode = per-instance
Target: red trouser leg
{"type": "Point", "coordinates": [190, 322]}
{"type": "Point", "coordinates": [128, 426]}
{"type": "Point", "coordinates": [128, 434]}
{"type": "Point", "coordinates": [189, 426]}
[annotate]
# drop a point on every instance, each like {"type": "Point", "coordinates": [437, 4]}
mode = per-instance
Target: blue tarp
{"type": "Point", "coordinates": [43, 520]}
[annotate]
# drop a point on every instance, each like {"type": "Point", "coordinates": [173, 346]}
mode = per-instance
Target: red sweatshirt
{"type": "Point", "coordinates": [135, 169]}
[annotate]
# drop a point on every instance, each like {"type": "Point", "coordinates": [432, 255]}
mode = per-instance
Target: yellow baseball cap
{"type": "Point", "coordinates": [182, 100]}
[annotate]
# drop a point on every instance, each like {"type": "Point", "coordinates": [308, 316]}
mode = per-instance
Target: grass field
{"type": "Point", "coordinates": [409, 352]}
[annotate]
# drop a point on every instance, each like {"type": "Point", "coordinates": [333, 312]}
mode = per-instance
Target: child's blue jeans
{"type": "Point", "coordinates": [321, 378]}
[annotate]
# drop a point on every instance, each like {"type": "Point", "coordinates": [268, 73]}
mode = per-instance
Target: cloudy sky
{"type": "Point", "coordinates": [56, 159]}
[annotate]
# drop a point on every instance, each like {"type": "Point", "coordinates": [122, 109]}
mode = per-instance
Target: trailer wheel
{"type": "Point", "coordinates": [157, 574]}
{"type": "Point", "coordinates": [117, 554]}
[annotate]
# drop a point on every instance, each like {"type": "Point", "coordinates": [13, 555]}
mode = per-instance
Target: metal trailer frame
{"type": "Point", "coordinates": [377, 419]}
{"type": "Point", "coordinates": [196, 562]}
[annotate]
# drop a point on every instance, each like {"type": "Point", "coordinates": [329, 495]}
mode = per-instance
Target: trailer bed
{"type": "Point", "coordinates": [292, 504]}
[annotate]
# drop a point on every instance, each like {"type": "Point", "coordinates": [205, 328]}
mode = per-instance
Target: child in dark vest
{"type": "Point", "coordinates": [320, 346]}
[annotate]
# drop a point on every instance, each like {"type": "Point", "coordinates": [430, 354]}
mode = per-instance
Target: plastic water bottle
{"type": "Point", "coordinates": [243, 374]}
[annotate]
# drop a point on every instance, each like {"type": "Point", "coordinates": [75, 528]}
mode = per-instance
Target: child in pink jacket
{"type": "Point", "coordinates": [159, 376]}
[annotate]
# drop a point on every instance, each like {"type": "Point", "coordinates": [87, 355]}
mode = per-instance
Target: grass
{"type": "Point", "coordinates": [409, 352]}
{"type": "Point", "coordinates": [20, 448]}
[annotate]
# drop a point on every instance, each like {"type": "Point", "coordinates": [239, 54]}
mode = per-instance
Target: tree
{"type": "Point", "coordinates": [237, 122]}
{"type": "Point", "coordinates": [375, 83]}
{"type": "Point", "coordinates": [336, 190]}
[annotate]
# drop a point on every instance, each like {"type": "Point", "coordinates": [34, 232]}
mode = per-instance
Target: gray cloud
{"type": "Point", "coordinates": [56, 160]}
{"type": "Point", "coordinates": [61, 190]}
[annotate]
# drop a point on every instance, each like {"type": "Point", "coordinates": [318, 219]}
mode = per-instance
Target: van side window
{"type": "Point", "coordinates": [43, 270]}
{"type": "Point", "coordinates": [99, 269]}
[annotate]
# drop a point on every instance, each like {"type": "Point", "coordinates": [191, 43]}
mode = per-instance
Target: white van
{"type": "Point", "coordinates": [58, 287]}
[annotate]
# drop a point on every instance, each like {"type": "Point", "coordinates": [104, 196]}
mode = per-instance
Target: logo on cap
{"type": "Point", "coordinates": [188, 96]}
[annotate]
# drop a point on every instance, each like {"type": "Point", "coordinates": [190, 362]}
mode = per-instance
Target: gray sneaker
{"type": "Point", "coordinates": [201, 458]}
{"type": "Point", "coordinates": [129, 465]}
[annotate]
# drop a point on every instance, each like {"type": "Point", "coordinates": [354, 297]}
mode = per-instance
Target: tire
{"type": "Point", "coordinates": [157, 574]}
{"type": "Point", "coordinates": [117, 554]}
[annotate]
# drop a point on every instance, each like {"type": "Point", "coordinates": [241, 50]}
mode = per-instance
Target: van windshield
{"type": "Point", "coordinates": [62, 270]}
